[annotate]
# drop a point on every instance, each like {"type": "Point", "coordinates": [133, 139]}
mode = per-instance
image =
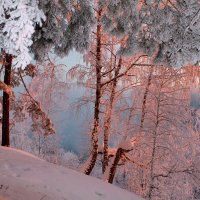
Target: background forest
{"type": "Point", "coordinates": [110, 88]}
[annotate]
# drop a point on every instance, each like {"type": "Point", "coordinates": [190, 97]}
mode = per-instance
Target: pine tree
{"type": "Point", "coordinates": [18, 19]}
{"type": "Point", "coordinates": [172, 25]}
{"type": "Point", "coordinates": [67, 26]}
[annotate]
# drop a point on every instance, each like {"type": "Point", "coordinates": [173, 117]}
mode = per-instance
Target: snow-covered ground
{"type": "Point", "coordinates": [26, 177]}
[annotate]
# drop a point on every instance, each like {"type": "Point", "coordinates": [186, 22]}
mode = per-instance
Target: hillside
{"type": "Point", "coordinates": [26, 177]}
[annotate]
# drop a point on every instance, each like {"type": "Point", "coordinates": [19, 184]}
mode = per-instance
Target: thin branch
{"type": "Point", "coordinates": [24, 84]}
{"type": "Point", "coordinates": [124, 73]}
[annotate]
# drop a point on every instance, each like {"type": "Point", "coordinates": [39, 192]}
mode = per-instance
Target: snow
{"type": "Point", "coordinates": [111, 151]}
{"type": "Point", "coordinates": [24, 176]}
{"type": "Point", "coordinates": [18, 29]}
{"type": "Point", "coordinates": [128, 144]}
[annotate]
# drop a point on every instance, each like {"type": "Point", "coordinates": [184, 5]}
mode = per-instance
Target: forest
{"type": "Point", "coordinates": [109, 88]}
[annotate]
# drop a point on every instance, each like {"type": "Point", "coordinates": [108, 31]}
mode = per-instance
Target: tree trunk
{"type": "Point", "coordinates": [107, 121]}
{"type": "Point", "coordinates": [113, 168]}
{"type": "Point", "coordinates": [6, 103]}
{"type": "Point", "coordinates": [145, 98]}
{"type": "Point", "coordinates": [95, 131]}
{"type": "Point", "coordinates": [153, 58]}
{"type": "Point", "coordinates": [153, 153]}
{"type": "Point", "coordinates": [143, 185]}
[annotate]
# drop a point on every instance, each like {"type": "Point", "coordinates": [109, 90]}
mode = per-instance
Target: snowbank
{"type": "Point", "coordinates": [26, 177]}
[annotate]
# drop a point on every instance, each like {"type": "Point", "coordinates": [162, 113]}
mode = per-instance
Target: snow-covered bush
{"type": "Point", "coordinates": [68, 159]}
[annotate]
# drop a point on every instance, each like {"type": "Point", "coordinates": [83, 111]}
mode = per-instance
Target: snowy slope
{"type": "Point", "coordinates": [26, 177]}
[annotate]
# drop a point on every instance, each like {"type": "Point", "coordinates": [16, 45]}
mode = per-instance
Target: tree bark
{"type": "Point", "coordinates": [6, 103]}
{"type": "Point", "coordinates": [95, 130]}
{"type": "Point", "coordinates": [108, 115]}
{"type": "Point", "coordinates": [153, 153]}
{"type": "Point", "coordinates": [145, 98]}
{"type": "Point", "coordinates": [143, 185]}
{"type": "Point", "coordinates": [113, 168]}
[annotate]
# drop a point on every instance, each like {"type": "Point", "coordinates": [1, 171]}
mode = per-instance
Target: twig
{"type": "Point", "coordinates": [24, 84]}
